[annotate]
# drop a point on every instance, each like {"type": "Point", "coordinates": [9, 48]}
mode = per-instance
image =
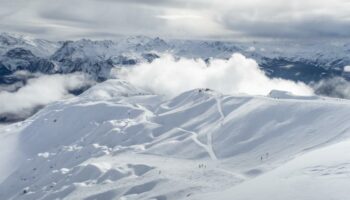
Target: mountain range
{"type": "Point", "coordinates": [310, 62]}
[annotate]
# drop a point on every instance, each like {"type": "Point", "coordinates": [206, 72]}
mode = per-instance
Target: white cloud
{"type": "Point", "coordinates": [347, 68]}
{"type": "Point", "coordinates": [39, 92]}
{"type": "Point", "coordinates": [239, 74]}
{"type": "Point", "coordinates": [334, 87]}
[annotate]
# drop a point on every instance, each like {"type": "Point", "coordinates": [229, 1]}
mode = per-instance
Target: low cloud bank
{"type": "Point", "coordinates": [334, 87]}
{"type": "Point", "coordinates": [38, 92]}
{"type": "Point", "coordinates": [237, 75]}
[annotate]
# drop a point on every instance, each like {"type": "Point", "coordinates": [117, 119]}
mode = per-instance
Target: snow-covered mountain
{"type": "Point", "coordinates": [116, 141]}
{"type": "Point", "coordinates": [19, 58]}
{"type": "Point", "coordinates": [302, 62]}
{"type": "Point", "coordinates": [305, 62]}
{"type": "Point", "coordinates": [39, 47]}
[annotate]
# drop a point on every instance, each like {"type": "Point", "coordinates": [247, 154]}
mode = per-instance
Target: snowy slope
{"type": "Point", "coordinates": [116, 141]}
{"type": "Point", "coordinates": [322, 174]}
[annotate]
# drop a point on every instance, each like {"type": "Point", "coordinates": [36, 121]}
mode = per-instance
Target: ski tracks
{"type": "Point", "coordinates": [206, 147]}
{"type": "Point", "coordinates": [209, 146]}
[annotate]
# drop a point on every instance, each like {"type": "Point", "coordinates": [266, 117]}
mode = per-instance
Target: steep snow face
{"type": "Point", "coordinates": [116, 141]}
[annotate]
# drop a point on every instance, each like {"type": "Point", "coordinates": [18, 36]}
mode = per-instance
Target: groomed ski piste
{"type": "Point", "coordinates": [116, 141]}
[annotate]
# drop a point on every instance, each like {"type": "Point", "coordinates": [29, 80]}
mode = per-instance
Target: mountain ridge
{"type": "Point", "coordinates": [184, 147]}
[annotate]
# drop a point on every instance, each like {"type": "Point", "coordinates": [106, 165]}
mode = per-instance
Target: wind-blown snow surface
{"type": "Point", "coordinates": [116, 141]}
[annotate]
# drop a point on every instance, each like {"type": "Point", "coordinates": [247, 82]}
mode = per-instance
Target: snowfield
{"type": "Point", "coordinates": [116, 141]}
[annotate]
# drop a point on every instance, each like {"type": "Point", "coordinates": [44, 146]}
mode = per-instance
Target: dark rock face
{"type": "Point", "coordinates": [4, 70]}
{"type": "Point", "coordinates": [3, 73]}
{"type": "Point", "coordinates": [297, 70]}
{"type": "Point", "coordinates": [149, 57]}
{"type": "Point", "coordinates": [123, 60]}
{"type": "Point", "coordinates": [19, 53]}
{"type": "Point", "coordinates": [64, 53]}
{"type": "Point", "coordinates": [22, 59]}
{"type": "Point", "coordinates": [75, 57]}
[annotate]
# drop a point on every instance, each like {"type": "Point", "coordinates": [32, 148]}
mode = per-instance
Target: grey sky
{"type": "Point", "coordinates": [59, 19]}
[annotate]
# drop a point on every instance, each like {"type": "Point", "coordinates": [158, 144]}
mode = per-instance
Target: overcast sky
{"type": "Point", "coordinates": [61, 19]}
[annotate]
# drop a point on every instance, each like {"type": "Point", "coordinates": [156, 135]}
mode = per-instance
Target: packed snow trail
{"type": "Point", "coordinates": [219, 106]}
{"type": "Point", "coordinates": [206, 147]}
{"type": "Point", "coordinates": [209, 134]}
{"type": "Point", "coordinates": [221, 123]}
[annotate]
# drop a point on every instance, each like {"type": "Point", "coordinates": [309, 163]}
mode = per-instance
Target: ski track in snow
{"type": "Point", "coordinates": [209, 146]}
{"type": "Point", "coordinates": [206, 147]}
{"type": "Point", "coordinates": [221, 123]}
{"type": "Point", "coordinates": [219, 106]}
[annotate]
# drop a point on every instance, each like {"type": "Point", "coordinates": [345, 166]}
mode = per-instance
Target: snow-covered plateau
{"type": "Point", "coordinates": [117, 141]}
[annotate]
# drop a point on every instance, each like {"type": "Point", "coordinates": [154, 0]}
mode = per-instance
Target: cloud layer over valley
{"type": "Point", "coordinates": [237, 75]}
{"type": "Point", "coordinates": [38, 91]}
